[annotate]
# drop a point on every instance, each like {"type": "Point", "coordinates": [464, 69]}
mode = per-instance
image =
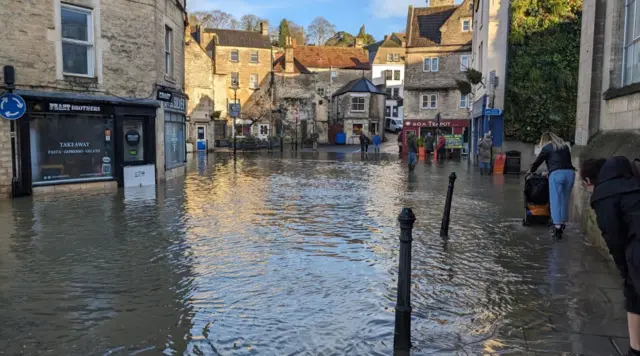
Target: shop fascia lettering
{"type": "Point", "coordinates": [73, 148]}
{"type": "Point", "coordinates": [72, 107]}
{"type": "Point", "coordinates": [427, 124]}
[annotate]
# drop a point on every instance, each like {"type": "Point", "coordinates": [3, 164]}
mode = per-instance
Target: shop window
{"type": "Point", "coordinates": [357, 129]}
{"type": "Point", "coordinates": [174, 139]}
{"type": "Point", "coordinates": [71, 148]}
{"type": "Point", "coordinates": [77, 40]}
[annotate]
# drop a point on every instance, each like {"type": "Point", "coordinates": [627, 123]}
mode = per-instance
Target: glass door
{"type": "Point", "coordinates": [201, 141]}
{"type": "Point", "coordinates": [133, 141]}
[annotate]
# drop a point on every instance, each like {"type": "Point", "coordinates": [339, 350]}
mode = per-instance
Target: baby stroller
{"type": "Point", "coordinates": [536, 200]}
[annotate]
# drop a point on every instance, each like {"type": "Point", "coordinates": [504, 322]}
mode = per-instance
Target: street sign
{"type": "Point", "coordinates": [234, 110]}
{"type": "Point", "coordinates": [12, 106]}
{"type": "Point", "coordinates": [492, 112]}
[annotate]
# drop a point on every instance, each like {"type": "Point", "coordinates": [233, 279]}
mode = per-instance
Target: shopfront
{"type": "Point", "coordinates": [452, 129]}
{"type": "Point", "coordinates": [69, 140]}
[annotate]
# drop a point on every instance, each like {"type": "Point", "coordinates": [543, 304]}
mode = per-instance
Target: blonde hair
{"type": "Point", "coordinates": [553, 139]}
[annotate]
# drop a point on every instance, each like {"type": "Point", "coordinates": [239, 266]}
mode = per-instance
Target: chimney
{"type": "Point", "coordinates": [385, 37]}
{"type": "Point", "coordinates": [435, 3]}
{"type": "Point", "coordinates": [288, 55]}
{"type": "Point", "coordinates": [264, 29]}
{"type": "Point", "coordinates": [359, 42]}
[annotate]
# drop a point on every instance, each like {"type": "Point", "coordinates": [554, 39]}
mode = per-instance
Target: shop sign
{"type": "Point", "coordinates": [177, 103]}
{"type": "Point", "coordinates": [454, 141]}
{"type": "Point", "coordinates": [133, 138]}
{"type": "Point", "coordinates": [73, 108]}
{"type": "Point", "coordinates": [426, 124]}
{"type": "Point", "coordinates": [164, 95]}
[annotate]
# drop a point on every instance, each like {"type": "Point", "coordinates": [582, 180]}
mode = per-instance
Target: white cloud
{"type": "Point", "coordinates": [395, 8]}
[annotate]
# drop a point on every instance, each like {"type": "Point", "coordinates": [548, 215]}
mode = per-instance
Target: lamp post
{"type": "Point", "coordinates": [235, 101]}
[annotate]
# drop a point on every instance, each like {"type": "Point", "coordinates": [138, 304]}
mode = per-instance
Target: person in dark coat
{"type": "Point", "coordinates": [364, 142]}
{"type": "Point", "coordinates": [412, 147]}
{"type": "Point", "coordinates": [616, 202]}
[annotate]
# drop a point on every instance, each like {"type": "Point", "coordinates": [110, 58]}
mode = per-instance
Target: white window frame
{"type": "Point", "coordinates": [462, 58]}
{"type": "Point", "coordinates": [468, 20]}
{"type": "Point", "coordinates": [168, 51]}
{"type": "Point", "coordinates": [334, 74]}
{"type": "Point", "coordinates": [631, 41]}
{"type": "Point", "coordinates": [237, 75]}
{"type": "Point", "coordinates": [395, 112]}
{"type": "Point", "coordinates": [358, 103]}
{"type": "Point", "coordinates": [89, 44]}
{"type": "Point", "coordinates": [389, 57]}
{"type": "Point", "coordinates": [320, 89]}
{"type": "Point", "coordinates": [431, 96]}
{"type": "Point", "coordinates": [399, 75]}
{"type": "Point", "coordinates": [467, 99]}
{"type": "Point", "coordinates": [237, 52]}
{"type": "Point", "coordinates": [253, 81]}
{"type": "Point", "coordinates": [396, 57]}
{"type": "Point", "coordinates": [257, 54]}
{"type": "Point", "coordinates": [432, 67]}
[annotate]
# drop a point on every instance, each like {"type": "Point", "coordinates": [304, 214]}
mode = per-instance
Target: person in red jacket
{"type": "Point", "coordinates": [441, 146]}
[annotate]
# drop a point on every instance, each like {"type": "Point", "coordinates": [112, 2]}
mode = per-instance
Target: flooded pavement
{"type": "Point", "coordinates": [298, 256]}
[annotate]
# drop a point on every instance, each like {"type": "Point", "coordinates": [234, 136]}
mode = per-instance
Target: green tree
{"type": "Point", "coordinates": [284, 32]}
{"type": "Point", "coordinates": [542, 81]}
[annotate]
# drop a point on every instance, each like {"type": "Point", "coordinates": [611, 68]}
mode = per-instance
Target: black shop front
{"type": "Point", "coordinates": [70, 139]}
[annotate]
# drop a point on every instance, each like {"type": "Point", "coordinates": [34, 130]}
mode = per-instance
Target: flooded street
{"type": "Point", "coordinates": [298, 256]}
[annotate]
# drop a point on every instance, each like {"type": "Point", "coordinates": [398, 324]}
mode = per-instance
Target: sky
{"type": "Point", "coordinates": [380, 17]}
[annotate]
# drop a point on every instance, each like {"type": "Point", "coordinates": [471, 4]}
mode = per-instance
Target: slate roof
{"type": "Point", "coordinates": [426, 23]}
{"type": "Point", "coordinates": [235, 38]}
{"type": "Point", "coordinates": [328, 57]}
{"type": "Point", "coordinates": [362, 85]}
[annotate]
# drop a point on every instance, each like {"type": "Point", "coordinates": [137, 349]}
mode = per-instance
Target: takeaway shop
{"type": "Point", "coordinates": [454, 130]}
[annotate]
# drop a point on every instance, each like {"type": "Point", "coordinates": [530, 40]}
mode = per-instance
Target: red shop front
{"type": "Point", "coordinates": [422, 127]}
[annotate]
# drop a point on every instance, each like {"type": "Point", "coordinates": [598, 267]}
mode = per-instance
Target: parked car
{"type": "Point", "coordinates": [393, 125]}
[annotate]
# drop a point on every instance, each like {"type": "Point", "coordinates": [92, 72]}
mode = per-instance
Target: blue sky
{"type": "Point", "coordinates": [379, 16]}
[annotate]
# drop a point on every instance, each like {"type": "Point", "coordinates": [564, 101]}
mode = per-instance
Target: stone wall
{"type": "Point", "coordinates": [448, 105]}
{"type": "Point", "coordinates": [199, 86]}
{"type": "Point", "coordinates": [6, 172]}
{"type": "Point", "coordinates": [448, 68]}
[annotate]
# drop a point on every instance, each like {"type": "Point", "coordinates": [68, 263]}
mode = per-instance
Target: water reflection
{"type": "Point", "coordinates": [276, 255]}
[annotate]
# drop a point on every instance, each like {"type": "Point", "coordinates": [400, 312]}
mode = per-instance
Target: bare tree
{"type": "Point", "coordinates": [251, 22]}
{"type": "Point", "coordinates": [297, 33]}
{"type": "Point", "coordinates": [320, 30]}
{"type": "Point", "coordinates": [259, 108]}
{"type": "Point", "coordinates": [214, 19]}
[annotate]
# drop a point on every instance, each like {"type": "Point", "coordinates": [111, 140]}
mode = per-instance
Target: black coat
{"type": "Point", "coordinates": [616, 201]}
{"type": "Point", "coordinates": [560, 159]}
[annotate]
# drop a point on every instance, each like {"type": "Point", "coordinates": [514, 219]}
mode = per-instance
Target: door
{"type": "Point", "coordinates": [263, 131]}
{"type": "Point", "coordinates": [201, 139]}
{"type": "Point", "coordinates": [133, 141]}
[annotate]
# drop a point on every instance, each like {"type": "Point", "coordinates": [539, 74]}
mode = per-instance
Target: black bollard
{"type": "Point", "coordinates": [444, 228]}
{"type": "Point", "coordinates": [402, 334]}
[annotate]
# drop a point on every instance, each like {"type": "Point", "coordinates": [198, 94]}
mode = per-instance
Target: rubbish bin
{"type": "Point", "coordinates": [512, 162]}
{"type": "Point", "coordinates": [341, 138]}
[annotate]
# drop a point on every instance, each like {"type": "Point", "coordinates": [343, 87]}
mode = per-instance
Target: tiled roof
{"type": "Point", "coordinates": [279, 65]}
{"type": "Point", "coordinates": [332, 57]}
{"type": "Point", "coordinates": [425, 25]}
{"type": "Point", "coordinates": [235, 38]}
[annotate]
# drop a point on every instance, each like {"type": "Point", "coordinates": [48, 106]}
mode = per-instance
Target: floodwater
{"type": "Point", "coordinates": [286, 256]}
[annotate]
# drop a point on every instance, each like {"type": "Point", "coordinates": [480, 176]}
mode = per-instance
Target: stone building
{"type": "Point", "coordinates": [104, 91]}
{"type": "Point", "coordinates": [359, 106]}
{"type": "Point", "coordinates": [306, 77]}
{"type": "Point", "coordinates": [387, 59]}
{"type": "Point", "coordinates": [242, 66]}
{"type": "Point", "coordinates": [438, 52]}
{"type": "Point", "coordinates": [608, 108]}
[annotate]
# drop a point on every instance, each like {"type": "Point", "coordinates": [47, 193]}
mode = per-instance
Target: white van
{"type": "Point", "coordinates": [393, 125]}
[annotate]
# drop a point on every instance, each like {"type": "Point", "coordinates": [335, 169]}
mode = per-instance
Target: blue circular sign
{"type": "Point", "coordinates": [12, 106]}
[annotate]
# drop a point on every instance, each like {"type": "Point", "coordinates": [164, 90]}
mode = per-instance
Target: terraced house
{"type": "Point", "coordinates": [104, 89]}
{"type": "Point", "coordinates": [242, 65]}
{"type": "Point", "coordinates": [438, 52]}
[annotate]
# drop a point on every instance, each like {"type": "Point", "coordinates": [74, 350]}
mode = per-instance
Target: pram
{"type": "Point", "coordinates": [536, 200]}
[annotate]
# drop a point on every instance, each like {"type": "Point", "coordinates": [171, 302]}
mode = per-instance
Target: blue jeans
{"type": "Point", "coordinates": [560, 185]}
{"type": "Point", "coordinates": [486, 165]}
{"type": "Point", "coordinates": [413, 158]}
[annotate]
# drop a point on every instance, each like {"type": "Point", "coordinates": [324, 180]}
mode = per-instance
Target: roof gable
{"type": "Point", "coordinates": [361, 85]}
{"type": "Point", "coordinates": [434, 26]}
